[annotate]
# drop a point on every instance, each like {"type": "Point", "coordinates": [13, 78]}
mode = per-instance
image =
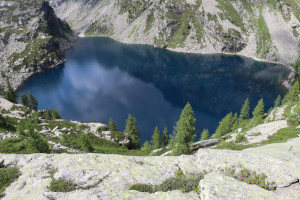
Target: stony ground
{"type": "Point", "coordinates": [280, 162]}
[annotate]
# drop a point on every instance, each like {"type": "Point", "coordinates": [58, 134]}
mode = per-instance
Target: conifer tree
{"type": "Point", "coordinates": [235, 122]}
{"type": "Point", "coordinates": [147, 147]}
{"type": "Point", "coordinates": [165, 137]}
{"type": "Point", "coordinates": [245, 110]}
{"type": "Point", "coordinates": [277, 101]}
{"type": "Point", "coordinates": [258, 113]}
{"type": "Point", "coordinates": [259, 109]}
{"type": "Point", "coordinates": [24, 99]}
{"type": "Point", "coordinates": [112, 126]}
{"type": "Point", "coordinates": [293, 94]}
{"type": "Point", "coordinates": [225, 126]}
{"type": "Point", "coordinates": [47, 114]}
{"type": "Point", "coordinates": [184, 131]}
{"type": "Point", "coordinates": [32, 102]}
{"type": "Point", "coordinates": [156, 138]}
{"type": "Point", "coordinates": [55, 114]}
{"type": "Point", "coordinates": [133, 133]}
{"type": "Point", "coordinates": [204, 134]}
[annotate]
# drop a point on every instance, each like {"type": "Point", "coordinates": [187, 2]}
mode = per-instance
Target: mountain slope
{"type": "Point", "coordinates": [260, 29]}
{"type": "Point", "coordinates": [31, 38]}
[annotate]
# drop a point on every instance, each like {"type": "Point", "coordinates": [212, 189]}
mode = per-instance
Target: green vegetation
{"type": "Point", "coordinates": [225, 126]}
{"type": "Point", "coordinates": [7, 176]}
{"type": "Point", "coordinates": [61, 185]}
{"type": "Point", "coordinates": [204, 135]}
{"type": "Point", "coordinates": [244, 114]}
{"type": "Point", "coordinates": [185, 183]}
{"type": "Point", "coordinates": [184, 132]}
{"type": "Point", "coordinates": [133, 133]}
{"type": "Point", "coordinates": [165, 138]}
{"type": "Point", "coordinates": [293, 94]}
{"type": "Point", "coordinates": [258, 113]}
{"type": "Point", "coordinates": [149, 22]}
{"type": "Point", "coordinates": [251, 177]}
{"type": "Point", "coordinates": [240, 138]}
{"type": "Point", "coordinates": [263, 37]}
{"type": "Point", "coordinates": [156, 139]}
{"type": "Point", "coordinates": [277, 101]}
{"type": "Point", "coordinates": [29, 101]}
{"type": "Point", "coordinates": [10, 94]}
{"type": "Point", "coordinates": [230, 13]}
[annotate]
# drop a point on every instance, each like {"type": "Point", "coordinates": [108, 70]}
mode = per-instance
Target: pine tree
{"type": "Point", "coordinates": [204, 134]}
{"type": "Point", "coordinates": [55, 114]}
{"type": "Point", "coordinates": [277, 101]}
{"type": "Point", "coordinates": [293, 94]}
{"type": "Point", "coordinates": [24, 99]}
{"type": "Point", "coordinates": [225, 126]}
{"type": "Point", "coordinates": [185, 131]}
{"type": "Point", "coordinates": [156, 138]}
{"type": "Point", "coordinates": [259, 109]}
{"type": "Point", "coordinates": [165, 137]}
{"type": "Point", "coordinates": [10, 94]}
{"type": "Point", "coordinates": [32, 101]}
{"type": "Point", "coordinates": [133, 133]}
{"type": "Point", "coordinates": [245, 110]}
{"type": "Point", "coordinates": [112, 126]}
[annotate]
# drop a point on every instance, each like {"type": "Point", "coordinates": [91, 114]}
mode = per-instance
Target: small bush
{"type": "Point", "coordinates": [61, 185]}
{"type": "Point", "coordinates": [101, 129]}
{"type": "Point", "coordinates": [251, 177]}
{"type": "Point", "coordinates": [142, 187]}
{"type": "Point", "coordinates": [7, 176]}
{"type": "Point", "coordinates": [185, 183]}
{"type": "Point", "coordinates": [240, 138]}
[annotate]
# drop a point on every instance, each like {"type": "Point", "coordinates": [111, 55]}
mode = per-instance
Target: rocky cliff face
{"type": "Point", "coordinates": [31, 38]}
{"type": "Point", "coordinates": [260, 29]}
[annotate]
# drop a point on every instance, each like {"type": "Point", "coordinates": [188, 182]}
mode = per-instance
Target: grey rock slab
{"type": "Point", "coordinates": [219, 187]}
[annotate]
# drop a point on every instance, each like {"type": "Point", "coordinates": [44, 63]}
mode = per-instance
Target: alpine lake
{"type": "Point", "coordinates": [104, 79]}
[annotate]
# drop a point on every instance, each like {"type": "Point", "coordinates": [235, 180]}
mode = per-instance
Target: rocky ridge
{"type": "Point", "coordinates": [267, 30]}
{"type": "Point", "coordinates": [32, 38]}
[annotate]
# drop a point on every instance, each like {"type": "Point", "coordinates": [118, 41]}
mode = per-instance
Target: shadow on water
{"type": "Point", "coordinates": [103, 78]}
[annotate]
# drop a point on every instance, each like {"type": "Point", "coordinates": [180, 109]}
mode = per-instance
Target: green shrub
{"type": "Point", "coordinates": [101, 129]}
{"type": "Point", "coordinates": [240, 138]}
{"type": "Point", "coordinates": [142, 187]}
{"type": "Point", "coordinates": [185, 183]}
{"type": "Point", "coordinates": [7, 176]}
{"type": "Point", "coordinates": [61, 185]}
{"type": "Point", "coordinates": [251, 177]}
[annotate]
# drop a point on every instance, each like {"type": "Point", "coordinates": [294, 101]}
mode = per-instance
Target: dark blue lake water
{"type": "Point", "coordinates": [103, 78]}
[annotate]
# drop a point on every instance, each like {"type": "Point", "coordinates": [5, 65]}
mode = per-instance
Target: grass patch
{"type": "Point", "coordinates": [61, 185]}
{"type": "Point", "coordinates": [7, 176]}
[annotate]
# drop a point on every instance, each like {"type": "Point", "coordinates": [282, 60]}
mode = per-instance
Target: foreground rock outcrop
{"type": "Point", "coordinates": [110, 176]}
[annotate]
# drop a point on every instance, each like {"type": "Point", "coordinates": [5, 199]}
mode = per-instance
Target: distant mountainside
{"type": "Point", "coordinates": [31, 38]}
{"type": "Point", "coordinates": [263, 29]}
